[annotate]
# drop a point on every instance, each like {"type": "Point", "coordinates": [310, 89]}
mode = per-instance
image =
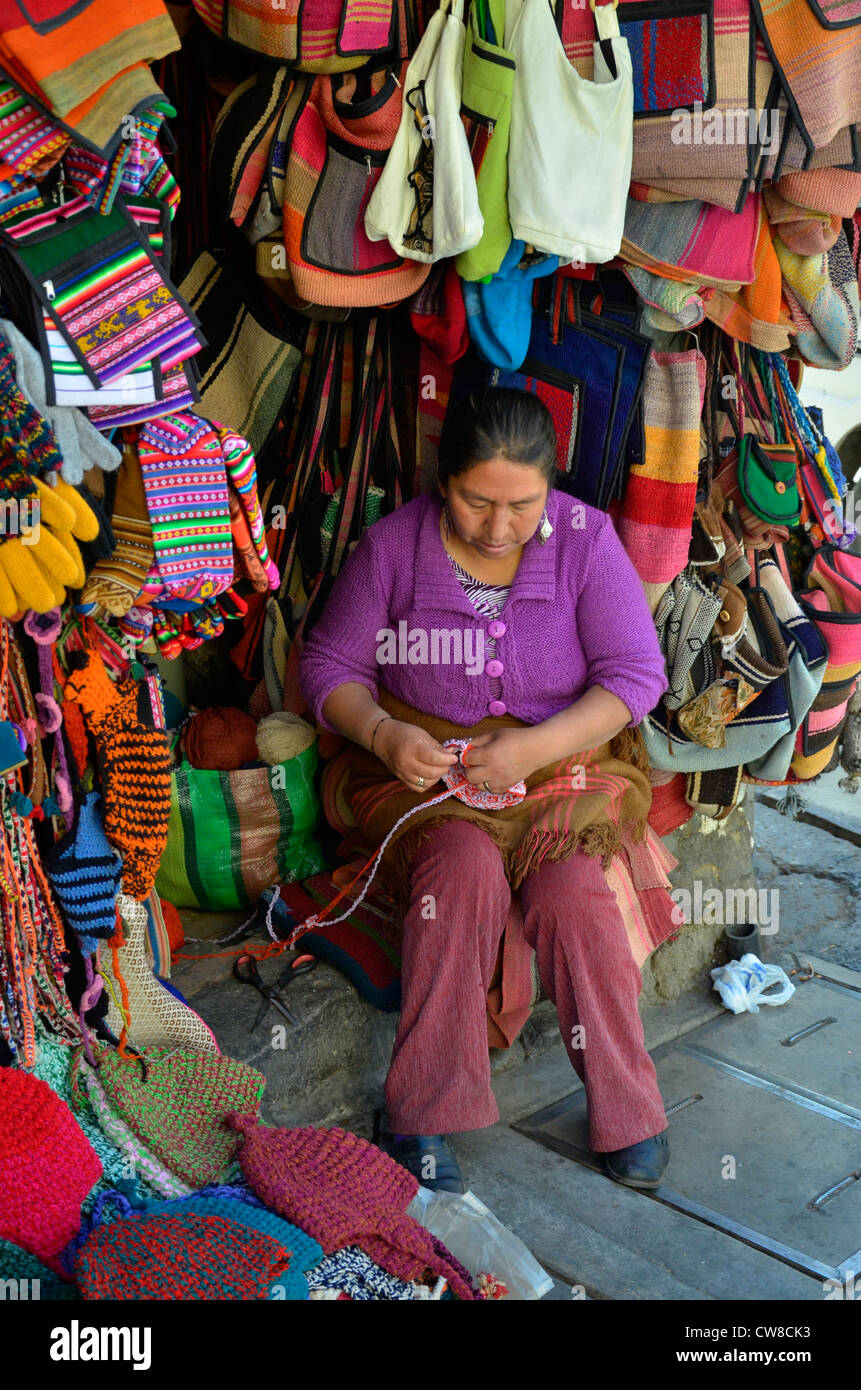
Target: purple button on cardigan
{"type": "Point", "coordinates": [496, 629]}
{"type": "Point", "coordinates": [494, 668]}
{"type": "Point", "coordinates": [497, 708]}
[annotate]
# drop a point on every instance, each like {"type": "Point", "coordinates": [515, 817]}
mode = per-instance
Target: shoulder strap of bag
{"type": "Point", "coordinates": [607, 29]}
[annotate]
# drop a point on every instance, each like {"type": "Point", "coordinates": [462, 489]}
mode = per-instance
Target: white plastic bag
{"type": "Point", "coordinates": [741, 984]}
{"type": "Point", "coordinates": [479, 1241]}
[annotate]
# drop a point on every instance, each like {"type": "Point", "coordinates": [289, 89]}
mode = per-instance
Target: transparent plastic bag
{"type": "Point", "coordinates": [741, 984]}
{"type": "Point", "coordinates": [480, 1242]}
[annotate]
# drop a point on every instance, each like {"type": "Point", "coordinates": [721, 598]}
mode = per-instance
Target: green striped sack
{"type": "Point", "coordinates": [232, 834]}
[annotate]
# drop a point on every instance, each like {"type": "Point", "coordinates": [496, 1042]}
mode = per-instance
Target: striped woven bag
{"type": "Point", "coordinates": [338, 151]}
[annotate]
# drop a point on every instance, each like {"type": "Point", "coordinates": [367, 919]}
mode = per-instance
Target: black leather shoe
{"type": "Point", "coordinates": [430, 1158]}
{"type": "Point", "coordinates": [640, 1165]}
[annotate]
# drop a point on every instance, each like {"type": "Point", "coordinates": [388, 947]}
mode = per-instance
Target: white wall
{"type": "Point", "coordinates": [838, 394]}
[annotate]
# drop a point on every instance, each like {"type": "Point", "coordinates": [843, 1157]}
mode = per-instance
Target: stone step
{"type": "Point", "coordinates": [331, 1067]}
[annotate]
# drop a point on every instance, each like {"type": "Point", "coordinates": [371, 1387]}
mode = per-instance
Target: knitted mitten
{"type": "Point", "coordinates": [246, 561]}
{"type": "Point", "coordinates": [39, 556]}
{"type": "Point", "coordinates": [79, 442]}
{"type": "Point", "coordinates": [242, 472]}
{"type": "Point", "coordinates": [134, 764]}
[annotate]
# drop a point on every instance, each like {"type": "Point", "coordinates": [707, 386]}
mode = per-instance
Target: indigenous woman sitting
{"type": "Point", "coordinates": [505, 612]}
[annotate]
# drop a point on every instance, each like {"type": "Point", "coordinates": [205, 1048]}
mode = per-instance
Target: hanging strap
{"type": "Point", "coordinates": [607, 28]}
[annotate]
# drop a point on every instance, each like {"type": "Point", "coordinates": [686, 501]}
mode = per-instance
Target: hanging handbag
{"type": "Point", "coordinates": [589, 369]}
{"type": "Point", "coordinates": [767, 480]}
{"type": "Point", "coordinates": [313, 37]}
{"type": "Point", "coordinates": [249, 366]}
{"type": "Point", "coordinates": [832, 601]}
{"type": "Point", "coordinates": [339, 147]}
{"type": "Point", "coordinates": [806, 668]}
{"type": "Point", "coordinates": [426, 201]}
{"type": "Point", "coordinates": [782, 663]}
{"type": "Point", "coordinates": [571, 142]}
{"type": "Point", "coordinates": [258, 115]}
{"type": "Point", "coordinates": [760, 470]}
{"type": "Point", "coordinates": [488, 81]}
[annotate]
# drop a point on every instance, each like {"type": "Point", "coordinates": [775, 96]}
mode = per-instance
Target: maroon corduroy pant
{"type": "Point", "coordinates": [439, 1079]}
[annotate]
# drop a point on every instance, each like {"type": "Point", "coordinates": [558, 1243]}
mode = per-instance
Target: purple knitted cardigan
{"type": "Point", "coordinates": [576, 617]}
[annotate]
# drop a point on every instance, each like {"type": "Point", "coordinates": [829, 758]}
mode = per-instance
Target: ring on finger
{"type": "Point", "coordinates": [421, 781]}
{"type": "Point", "coordinates": [485, 785]}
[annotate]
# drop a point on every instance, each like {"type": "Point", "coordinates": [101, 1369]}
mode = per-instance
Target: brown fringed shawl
{"type": "Point", "coordinates": [594, 800]}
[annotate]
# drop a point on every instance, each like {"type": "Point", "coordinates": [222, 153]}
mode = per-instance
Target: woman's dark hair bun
{"type": "Point", "coordinates": [498, 422]}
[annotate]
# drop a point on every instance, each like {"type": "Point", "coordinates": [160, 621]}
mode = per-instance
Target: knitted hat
{"type": "Point", "coordinates": [134, 763]}
{"type": "Point", "coordinates": [16, 1264]}
{"type": "Point", "coordinates": [85, 874]}
{"type": "Point", "coordinates": [135, 1154]}
{"type": "Point", "coordinates": [178, 1257]}
{"type": "Point", "coordinates": [303, 1251]}
{"type": "Point", "coordinates": [116, 580]}
{"type": "Point", "coordinates": [47, 1166]}
{"type": "Point", "coordinates": [179, 1111]}
{"type": "Point", "coordinates": [343, 1190]}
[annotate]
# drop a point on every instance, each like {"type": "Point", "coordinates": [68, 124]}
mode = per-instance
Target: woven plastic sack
{"type": "Point", "coordinates": [232, 834]}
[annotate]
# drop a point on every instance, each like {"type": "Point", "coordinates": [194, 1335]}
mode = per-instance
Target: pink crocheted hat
{"type": "Point", "coordinates": [47, 1167]}
{"type": "Point", "coordinates": [343, 1190]}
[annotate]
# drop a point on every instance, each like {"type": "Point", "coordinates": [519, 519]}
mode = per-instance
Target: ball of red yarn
{"type": "Point", "coordinates": [173, 924]}
{"type": "Point", "coordinates": [221, 739]}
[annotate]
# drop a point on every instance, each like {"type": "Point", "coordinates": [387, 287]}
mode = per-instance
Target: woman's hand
{"type": "Point", "coordinates": [501, 759]}
{"type": "Point", "coordinates": [411, 754]}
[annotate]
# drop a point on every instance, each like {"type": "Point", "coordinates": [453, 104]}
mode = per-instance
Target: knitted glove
{"type": "Point", "coordinates": [134, 766]}
{"type": "Point", "coordinates": [81, 445]}
{"type": "Point", "coordinates": [38, 571]}
{"type": "Point", "coordinates": [41, 557]}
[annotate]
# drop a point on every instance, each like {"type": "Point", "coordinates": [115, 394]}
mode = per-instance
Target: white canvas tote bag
{"type": "Point", "coordinates": [571, 143]}
{"type": "Point", "coordinates": [426, 200]}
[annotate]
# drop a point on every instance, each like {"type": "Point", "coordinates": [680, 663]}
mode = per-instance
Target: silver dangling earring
{"type": "Point", "coordinates": [545, 530]}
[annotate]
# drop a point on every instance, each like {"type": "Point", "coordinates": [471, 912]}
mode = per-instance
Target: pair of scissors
{"type": "Point", "coordinates": [245, 970]}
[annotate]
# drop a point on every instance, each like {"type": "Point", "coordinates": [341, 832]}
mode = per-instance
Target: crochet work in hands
{"type": "Point", "coordinates": [134, 762]}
